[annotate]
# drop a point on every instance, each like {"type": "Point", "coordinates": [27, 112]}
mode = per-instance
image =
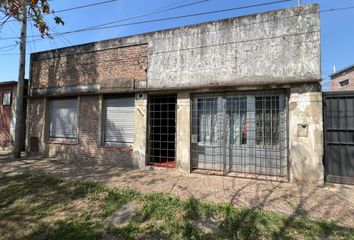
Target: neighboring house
{"type": "Point", "coordinates": [7, 114]}
{"type": "Point", "coordinates": [239, 96]}
{"type": "Point", "coordinates": [343, 80]}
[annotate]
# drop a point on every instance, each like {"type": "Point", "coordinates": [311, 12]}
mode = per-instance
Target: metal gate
{"type": "Point", "coordinates": [162, 131]}
{"type": "Point", "coordinates": [339, 136]}
{"type": "Point", "coordinates": [240, 134]}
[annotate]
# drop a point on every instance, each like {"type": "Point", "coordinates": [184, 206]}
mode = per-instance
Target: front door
{"type": "Point", "coordinates": [240, 133]}
{"type": "Point", "coordinates": [339, 136]}
{"type": "Point", "coordinates": [162, 131]}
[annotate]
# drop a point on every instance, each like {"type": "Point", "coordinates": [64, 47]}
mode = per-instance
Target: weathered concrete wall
{"type": "Point", "coordinates": [277, 47]}
{"type": "Point", "coordinates": [274, 47]}
{"type": "Point", "coordinates": [183, 131]}
{"type": "Point", "coordinates": [306, 134]}
{"type": "Point", "coordinates": [139, 151]}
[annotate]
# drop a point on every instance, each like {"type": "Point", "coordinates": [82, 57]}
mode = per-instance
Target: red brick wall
{"type": "Point", "coordinates": [115, 69]}
{"type": "Point", "coordinates": [88, 149]}
{"type": "Point", "coordinates": [335, 86]}
{"type": "Point", "coordinates": [5, 117]}
{"type": "Point", "coordinates": [120, 66]}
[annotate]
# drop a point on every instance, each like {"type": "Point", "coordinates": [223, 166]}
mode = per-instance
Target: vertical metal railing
{"type": "Point", "coordinates": [250, 137]}
{"type": "Point", "coordinates": [162, 131]}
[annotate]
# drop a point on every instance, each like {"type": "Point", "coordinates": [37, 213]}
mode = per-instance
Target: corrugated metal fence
{"type": "Point", "coordinates": [339, 136]}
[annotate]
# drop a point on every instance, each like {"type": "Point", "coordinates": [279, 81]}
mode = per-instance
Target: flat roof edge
{"type": "Point", "coordinates": [142, 36]}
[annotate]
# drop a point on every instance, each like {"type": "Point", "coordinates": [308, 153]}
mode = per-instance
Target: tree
{"type": "Point", "coordinates": [36, 9]}
{"type": "Point", "coordinates": [21, 10]}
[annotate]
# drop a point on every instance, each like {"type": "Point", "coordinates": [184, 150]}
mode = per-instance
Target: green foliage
{"type": "Point", "coordinates": [35, 11]}
{"type": "Point", "coordinates": [116, 199]}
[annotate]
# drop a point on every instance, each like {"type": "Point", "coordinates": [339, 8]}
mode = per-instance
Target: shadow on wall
{"type": "Point", "coordinates": [65, 70]}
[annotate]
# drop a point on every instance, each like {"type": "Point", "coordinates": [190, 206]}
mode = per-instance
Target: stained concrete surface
{"type": "Point", "coordinates": [123, 216]}
{"type": "Point", "coordinates": [289, 199]}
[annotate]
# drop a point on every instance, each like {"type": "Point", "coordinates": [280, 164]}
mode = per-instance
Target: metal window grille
{"type": "Point", "coordinates": [162, 131]}
{"type": "Point", "coordinates": [339, 136]}
{"type": "Point", "coordinates": [240, 134]}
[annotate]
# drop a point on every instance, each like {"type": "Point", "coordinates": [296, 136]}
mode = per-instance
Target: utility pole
{"type": "Point", "coordinates": [20, 85]}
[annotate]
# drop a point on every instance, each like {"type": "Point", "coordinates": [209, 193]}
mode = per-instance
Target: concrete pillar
{"type": "Point", "coordinates": [306, 135]}
{"type": "Point", "coordinates": [183, 159]}
{"type": "Point", "coordinates": [139, 148]}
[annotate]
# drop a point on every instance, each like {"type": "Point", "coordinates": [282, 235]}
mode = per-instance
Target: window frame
{"type": "Point", "coordinates": [342, 81]}
{"type": "Point", "coordinates": [104, 119]}
{"type": "Point", "coordinates": [63, 140]}
{"type": "Point", "coordinates": [3, 97]}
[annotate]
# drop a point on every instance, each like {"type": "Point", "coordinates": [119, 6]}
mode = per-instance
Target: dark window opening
{"type": "Point", "coordinates": [162, 131]}
{"type": "Point", "coordinates": [344, 83]}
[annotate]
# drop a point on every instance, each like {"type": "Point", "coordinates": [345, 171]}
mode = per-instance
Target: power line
{"type": "Point", "coordinates": [204, 13]}
{"type": "Point", "coordinates": [75, 8]}
{"type": "Point", "coordinates": [150, 13]}
{"type": "Point", "coordinates": [323, 11]}
{"type": "Point", "coordinates": [159, 10]}
{"type": "Point", "coordinates": [83, 6]}
{"type": "Point", "coordinates": [164, 19]}
{"type": "Point", "coordinates": [12, 45]}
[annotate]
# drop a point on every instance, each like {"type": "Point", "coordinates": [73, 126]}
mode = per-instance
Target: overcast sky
{"type": "Point", "coordinates": [337, 27]}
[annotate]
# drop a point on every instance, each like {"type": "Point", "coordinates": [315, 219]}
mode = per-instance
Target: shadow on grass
{"type": "Point", "coordinates": [28, 198]}
{"type": "Point", "coordinates": [73, 230]}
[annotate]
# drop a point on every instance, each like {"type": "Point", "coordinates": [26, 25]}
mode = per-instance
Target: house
{"type": "Point", "coordinates": [239, 96]}
{"type": "Point", "coordinates": [7, 114]}
{"type": "Point", "coordinates": [343, 80]}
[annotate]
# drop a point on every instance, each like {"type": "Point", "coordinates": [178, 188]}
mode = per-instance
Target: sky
{"type": "Point", "coordinates": [337, 27]}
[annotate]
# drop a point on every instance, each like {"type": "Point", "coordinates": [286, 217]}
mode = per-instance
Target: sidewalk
{"type": "Point", "coordinates": [334, 202]}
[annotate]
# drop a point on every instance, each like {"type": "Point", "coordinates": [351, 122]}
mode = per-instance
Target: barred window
{"type": "Point", "coordinates": [236, 112]}
{"type": "Point", "coordinates": [207, 120]}
{"type": "Point", "coordinates": [267, 120]}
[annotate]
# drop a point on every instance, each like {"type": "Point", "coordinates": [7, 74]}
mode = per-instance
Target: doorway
{"type": "Point", "coordinates": [240, 134]}
{"type": "Point", "coordinates": [339, 136]}
{"type": "Point", "coordinates": [162, 131]}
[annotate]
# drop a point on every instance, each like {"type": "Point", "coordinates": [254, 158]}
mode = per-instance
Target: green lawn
{"type": "Point", "coordinates": [44, 207]}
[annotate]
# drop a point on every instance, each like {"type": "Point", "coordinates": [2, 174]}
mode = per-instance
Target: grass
{"type": "Point", "coordinates": [43, 207]}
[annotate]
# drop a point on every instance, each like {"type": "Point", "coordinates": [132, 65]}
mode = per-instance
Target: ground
{"type": "Point", "coordinates": [56, 198]}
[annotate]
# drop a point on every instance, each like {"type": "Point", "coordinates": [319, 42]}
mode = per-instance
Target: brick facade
{"type": "Point", "coordinates": [341, 76]}
{"type": "Point", "coordinates": [6, 138]}
{"type": "Point", "coordinates": [88, 147]}
{"type": "Point", "coordinates": [114, 69]}
{"type": "Point", "coordinates": [110, 67]}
